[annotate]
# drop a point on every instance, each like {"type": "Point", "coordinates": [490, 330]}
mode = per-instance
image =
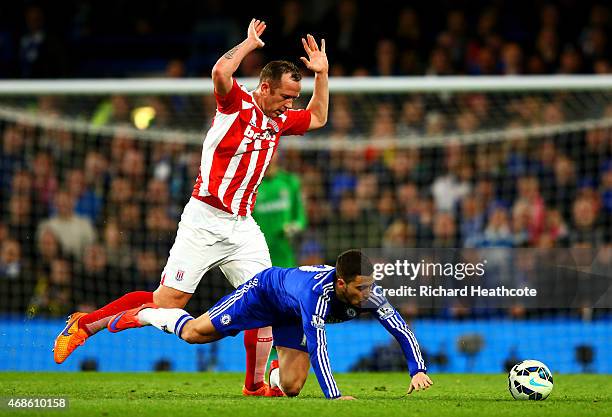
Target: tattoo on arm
{"type": "Point", "coordinates": [230, 54]}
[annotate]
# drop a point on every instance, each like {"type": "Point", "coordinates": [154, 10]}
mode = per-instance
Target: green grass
{"type": "Point", "coordinates": [215, 394]}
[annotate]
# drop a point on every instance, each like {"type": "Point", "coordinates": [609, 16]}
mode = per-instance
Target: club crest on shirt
{"type": "Point", "coordinates": [226, 319]}
{"type": "Point", "coordinates": [317, 322]}
{"type": "Point", "coordinates": [179, 275]}
{"type": "Point", "coordinates": [274, 125]}
{"type": "Point", "coordinates": [351, 312]}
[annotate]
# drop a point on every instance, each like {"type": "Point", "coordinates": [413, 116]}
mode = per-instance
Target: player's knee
{"type": "Point", "coordinates": [292, 388]}
{"type": "Point", "coordinates": [292, 391]}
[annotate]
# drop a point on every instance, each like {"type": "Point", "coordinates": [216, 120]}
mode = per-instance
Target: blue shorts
{"type": "Point", "coordinates": [243, 309]}
{"type": "Point", "coordinates": [290, 336]}
{"type": "Point", "coordinates": [247, 308]}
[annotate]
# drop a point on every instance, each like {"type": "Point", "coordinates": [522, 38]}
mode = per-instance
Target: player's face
{"type": "Point", "coordinates": [277, 100]}
{"type": "Point", "coordinates": [357, 291]}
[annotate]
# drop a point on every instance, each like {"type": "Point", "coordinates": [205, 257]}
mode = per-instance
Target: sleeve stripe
{"type": "Point", "coordinates": [377, 299]}
{"type": "Point", "coordinates": [322, 355]}
{"type": "Point", "coordinates": [324, 297]}
{"type": "Point", "coordinates": [402, 328]}
{"type": "Point", "coordinates": [415, 350]}
{"type": "Point", "coordinates": [323, 358]}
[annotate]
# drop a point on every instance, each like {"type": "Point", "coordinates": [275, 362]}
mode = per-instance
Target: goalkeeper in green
{"type": "Point", "coordinates": [280, 213]}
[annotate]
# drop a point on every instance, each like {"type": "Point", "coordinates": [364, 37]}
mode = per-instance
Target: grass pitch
{"type": "Point", "coordinates": [379, 394]}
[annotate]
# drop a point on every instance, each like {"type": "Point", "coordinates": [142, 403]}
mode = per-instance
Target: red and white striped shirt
{"type": "Point", "coordinates": [238, 149]}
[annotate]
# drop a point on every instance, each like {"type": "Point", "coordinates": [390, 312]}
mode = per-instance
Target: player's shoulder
{"type": "Point", "coordinates": [320, 277]}
{"type": "Point", "coordinates": [290, 113]}
{"type": "Point", "coordinates": [245, 95]}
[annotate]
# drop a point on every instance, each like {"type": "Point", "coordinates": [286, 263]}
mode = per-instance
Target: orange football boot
{"type": "Point", "coordinates": [69, 339]}
{"type": "Point", "coordinates": [259, 392]}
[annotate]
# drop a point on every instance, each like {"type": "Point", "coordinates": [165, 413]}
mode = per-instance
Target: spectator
{"type": "Point", "coordinates": [73, 231]}
{"type": "Point", "coordinates": [562, 191]}
{"type": "Point", "coordinates": [133, 168]}
{"type": "Point", "coordinates": [449, 189]}
{"type": "Point", "coordinates": [444, 231]}
{"type": "Point", "coordinates": [20, 225]}
{"type": "Point", "coordinates": [353, 228]}
{"type": "Point", "coordinates": [512, 59]}
{"type": "Point", "coordinates": [45, 182]}
{"type": "Point", "coordinates": [12, 157]}
{"type": "Point", "coordinates": [117, 250]}
{"type": "Point", "coordinates": [159, 232]}
{"type": "Point", "coordinates": [410, 122]}
{"type": "Point", "coordinates": [95, 281]}
{"type": "Point", "coordinates": [345, 32]}
{"type": "Point", "coordinates": [529, 194]}
{"type": "Point", "coordinates": [399, 234]}
{"type": "Point", "coordinates": [120, 194]}
{"type": "Point", "coordinates": [53, 294]}
{"type": "Point", "coordinates": [555, 229]}
{"type": "Point", "coordinates": [498, 233]}
{"type": "Point", "coordinates": [147, 273]}
{"type": "Point", "coordinates": [131, 224]}
{"type": "Point", "coordinates": [386, 59]}
{"type": "Point", "coordinates": [585, 230]}
{"type": "Point", "coordinates": [88, 203]}
{"type": "Point", "coordinates": [384, 125]}
{"type": "Point", "coordinates": [15, 277]}
{"type": "Point", "coordinates": [439, 63]}
{"type": "Point", "coordinates": [408, 31]}
{"type": "Point", "coordinates": [472, 217]}
{"type": "Point", "coordinates": [48, 249]}
{"type": "Point", "coordinates": [97, 177]}
{"type": "Point", "coordinates": [41, 52]}
{"type": "Point", "coordinates": [341, 118]}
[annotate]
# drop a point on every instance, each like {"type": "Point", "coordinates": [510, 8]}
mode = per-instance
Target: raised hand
{"type": "Point", "coordinates": [419, 382]}
{"type": "Point", "coordinates": [317, 59]}
{"type": "Point", "coordinates": [256, 28]}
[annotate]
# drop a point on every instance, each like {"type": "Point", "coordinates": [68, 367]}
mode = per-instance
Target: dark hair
{"type": "Point", "coordinates": [352, 263]}
{"type": "Point", "coordinates": [274, 70]}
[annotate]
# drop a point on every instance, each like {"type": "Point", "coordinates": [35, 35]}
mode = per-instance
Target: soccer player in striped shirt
{"type": "Point", "coordinates": [216, 227]}
{"type": "Point", "coordinates": [297, 303]}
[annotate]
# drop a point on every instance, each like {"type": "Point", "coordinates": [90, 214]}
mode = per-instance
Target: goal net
{"type": "Point", "coordinates": [518, 169]}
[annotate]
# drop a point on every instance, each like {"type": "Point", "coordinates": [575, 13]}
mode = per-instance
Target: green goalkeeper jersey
{"type": "Point", "coordinates": [279, 211]}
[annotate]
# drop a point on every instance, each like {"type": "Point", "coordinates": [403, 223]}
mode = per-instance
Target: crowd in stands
{"type": "Point", "coordinates": [87, 217]}
{"type": "Point", "coordinates": [45, 39]}
{"type": "Point", "coordinates": [76, 208]}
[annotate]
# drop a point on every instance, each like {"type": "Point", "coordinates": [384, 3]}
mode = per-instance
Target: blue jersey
{"type": "Point", "coordinates": [305, 296]}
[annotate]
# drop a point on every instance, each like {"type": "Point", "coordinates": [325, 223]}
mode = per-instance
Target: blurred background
{"type": "Point", "coordinates": [92, 184]}
{"type": "Point", "coordinates": [44, 39]}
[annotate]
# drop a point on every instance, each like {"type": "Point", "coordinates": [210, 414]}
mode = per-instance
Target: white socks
{"type": "Point", "coordinates": [169, 320]}
{"type": "Point", "coordinates": [275, 378]}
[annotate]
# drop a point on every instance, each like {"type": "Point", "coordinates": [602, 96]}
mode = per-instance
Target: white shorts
{"type": "Point", "coordinates": [208, 237]}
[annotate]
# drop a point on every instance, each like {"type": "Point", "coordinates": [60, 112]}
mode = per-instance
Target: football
{"type": "Point", "coordinates": [530, 380]}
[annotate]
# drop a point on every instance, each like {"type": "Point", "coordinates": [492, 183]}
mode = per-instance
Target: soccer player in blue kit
{"type": "Point", "coordinates": [297, 303]}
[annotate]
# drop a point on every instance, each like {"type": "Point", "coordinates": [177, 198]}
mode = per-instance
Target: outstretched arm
{"type": "Point", "coordinates": [228, 64]}
{"type": "Point", "coordinates": [395, 324]}
{"type": "Point", "coordinates": [317, 62]}
{"type": "Point", "coordinates": [314, 311]}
